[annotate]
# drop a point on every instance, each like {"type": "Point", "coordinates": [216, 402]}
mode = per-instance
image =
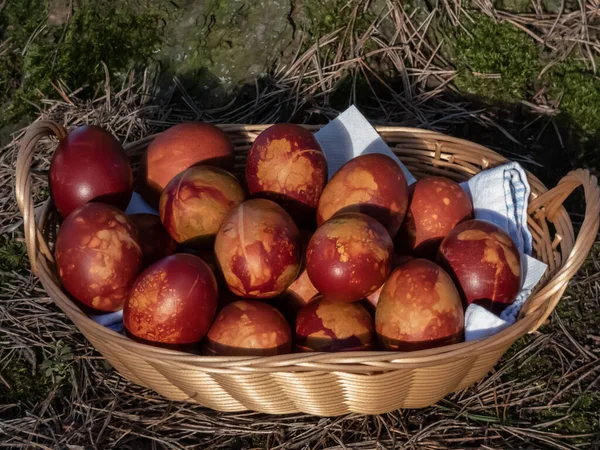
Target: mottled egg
{"type": "Point", "coordinates": [286, 164]}
{"type": "Point", "coordinates": [419, 308]}
{"type": "Point", "coordinates": [372, 184]}
{"type": "Point", "coordinates": [89, 165]}
{"type": "Point", "coordinates": [249, 328]}
{"type": "Point", "coordinates": [397, 260]}
{"type": "Point", "coordinates": [437, 205]}
{"type": "Point", "coordinates": [258, 249]}
{"type": "Point", "coordinates": [195, 202]}
{"type": "Point", "coordinates": [349, 257]}
{"type": "Point", "coordinates": [98, 255]}
{"type": "Point", "coordinates": [485, 263]}
{"type": "Point", "coordinates": [172, 302]}
{"type": "Point", "coordinates": [182, 146]}
{"type": "Point", "coordinates": [154, 239]}
{"type": "Point", "coordinates": [329, 326]}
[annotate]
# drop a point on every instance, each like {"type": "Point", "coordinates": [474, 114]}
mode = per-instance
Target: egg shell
{"type": "Point", "coordinates": [372, 184]}
{"type": "Point", "coordinates": [249, 328]}
{"type": "Point", "coordinates": [173, 301]}
{"type": "Point", "coordinates": [287, 165]}
{"type": "Point", "coordinates": [195, 202]}
{"type": "Point", "coordinates": [258, 249]}
{"type": "Point", "coordinates": [484, 262]}
{"type": "Point", "coordinates": [437, 205]}
{"type": "Point", "coordinates": [98, 255]}
{"type": "Point", "coordinates": [154, 239]}
{"type": "Point", "coordinates": [397, 260]}
{"type": "Point", "coordinates": [349, 257]}
{"type": "Point", "coordinates": [89, 165]}
{"type": "Point", "coordinates": [419, 308]}
{"type": "Point", "coordinates": [179, 147]}
{"type": "Point", "coordinates": [328, 326]}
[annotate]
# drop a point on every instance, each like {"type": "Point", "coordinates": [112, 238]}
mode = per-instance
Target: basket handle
{"type": "Point", "coordinates": [551, 202]}
{"type": "Point", "coordinates": [34, 239]}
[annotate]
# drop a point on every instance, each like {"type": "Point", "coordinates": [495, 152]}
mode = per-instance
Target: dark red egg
{"type": "Point", "coordinates": [419, 308]}
{"type": "Point", "coordinates": [249, 328]}
{"type": "Point", "coordinates": [172, 302]}
{"type": "Point", "coordinates": [286, 164]}
{"type": "Point", "coordinates": [98, 255]}
{"type": "Point", "coordinates": [329, 326]}
{"type": "Point", "coordinates": [258, 249]}
{"type": "Point", "coordinates": [349, 257]}
{"type": "Point", "coordinates": [372, 184]}
{"type": "Point", "coordinates": [484, 262]}
{"type": "Point", "coordinates": [436, 206]}
{"type": "Point", "coordinates": [397, 260]}
{"type": "Point", "coordinates": [195, 202]}
{"type": "Point", "coordinates": [182, 146]}
{"type": "Point", "coordinates": [90, 165]}
{"type": "Point", "coordinates": [154, 239]}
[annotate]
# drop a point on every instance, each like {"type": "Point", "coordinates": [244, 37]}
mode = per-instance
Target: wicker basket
{"type": "Point", "coordinates": [330, 384]}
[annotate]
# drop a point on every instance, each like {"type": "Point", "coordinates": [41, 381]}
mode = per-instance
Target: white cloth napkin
{"type": "Point", "coordinates": [137, 205]}
{"type": "Point", "coordinates": [499, 195]}
{"type": "Point", "coordinates": [113, 320]}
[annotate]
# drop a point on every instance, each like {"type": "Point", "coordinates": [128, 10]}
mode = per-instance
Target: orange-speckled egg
{"type": "Point", "coordinates": [195, 202]}
{"type": "Point", "coordinates": [329, 326]}
{"type": "Point", "coordinates": [286, 164]}
{"type": "Point", "coordinates": [419, 308]}
{"type": "Point", "coordinates": [172, 302]}
{"type": "Point", "coordinates": [437, 205]}
{"type": "Point", "coordinates": [485, 263]}
{"type": "Point", "coordinates": [349, 257]}
{"type": "Point", "coordinates": [98, 255]}
{"type": "Point", "coordinates": [154, 239]}
{"type": "Point", "coordinates": [249, 328]}
{"type": "Point", "coordinates": [258, 249]}
{"type": "Point", "coordinates": [372, 184]}
{"type": "Point", "coordinates": [397, 260]}
{"type": "Point", "coordinates": [182, 146]}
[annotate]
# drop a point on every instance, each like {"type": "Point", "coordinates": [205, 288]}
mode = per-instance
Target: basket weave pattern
{"type": "Point", "coordinates": [331, 383]}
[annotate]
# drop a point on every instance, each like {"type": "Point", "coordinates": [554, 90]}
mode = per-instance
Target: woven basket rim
{"type": "Point", "coordinates": [544, 300]}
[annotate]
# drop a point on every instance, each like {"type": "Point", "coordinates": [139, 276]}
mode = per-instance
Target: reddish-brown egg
{"type": "Point", "coordinates": [397, 260]}
{"type": "Point", "coordinates": [172, 302]}
{"type": "Point", "coordinates": [154, 239]}
{"type": "Point", "coordinates": [98, 255]}
{"type": "Point", "coordinates": [484, 262]}
{"type": "Point", "coordinates": [372, 184]}
{"type": "Point", "coordinates": [195, 202]}
{"type": "Point", "coordinates": [349, 257]}
{"type": "Point", "coordinates": [182, 146]}
{"type": "Point", "coordinates": [89, 165]}
{"type": "Point", "coordinates": [436, 206]}
{"type": "Point", "coordinates": [329, 326]}
{"type": "Point", "coordinates": [286, 164]}
{"type": "Point", "coordinates": [419, 308]}
{"type": "Point", "coordinates": [249, 328]}
{"type": "Point", "coordinates": [301, 291]}
{"type": "Point", "coordinates": [258, 249]}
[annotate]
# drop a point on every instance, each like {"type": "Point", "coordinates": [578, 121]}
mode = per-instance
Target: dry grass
{"type": "Point", "coordinates": [543, 394]}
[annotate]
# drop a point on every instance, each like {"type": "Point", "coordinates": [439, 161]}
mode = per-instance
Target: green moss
{"type": "Point", "coordinates": [321, 17]}
{"type": "Point", "coordinates": [110, 31]}
{"type": "Point", "coordinates": [578, 90]}
{"type": "Point", "coordinates": [100, 31]}
{"type": "Point", "coordinates": [25, 386]}
{"type": "Point", "coordinates": [496, 49]}
{"type": "Point", "coordinates": [12, 255]}
{"type": "Point", "coordinates": [520, 6]}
